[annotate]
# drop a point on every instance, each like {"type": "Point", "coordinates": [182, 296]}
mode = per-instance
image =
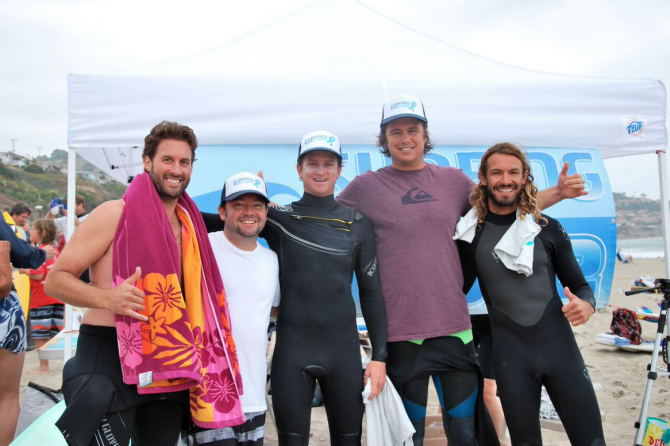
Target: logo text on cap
{"type": "Point", "coordinates": [328, 139]}
{"type": "Point", "coordinates": [403, 104]}
{"type": "Point", "coordinates": [252, 181]}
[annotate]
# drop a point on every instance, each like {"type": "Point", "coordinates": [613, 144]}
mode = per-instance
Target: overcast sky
{"type": "Point", "coordinates": [44, 40]}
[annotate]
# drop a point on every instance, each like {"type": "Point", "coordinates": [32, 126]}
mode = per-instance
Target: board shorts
{"type": "Point", "coordinates": [47, 321]}
{"type": "Point", "coordinates": [251, 433]}
{"type": "Point", "coordinates": [12, 324]}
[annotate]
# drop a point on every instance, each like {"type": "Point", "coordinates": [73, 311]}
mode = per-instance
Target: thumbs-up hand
{"type": "Point", "coordinates": [570, 186]}
{"type": "Point", "coordinates": [126, 299]}
{"type": "Point", "coordinates": [576, 311]}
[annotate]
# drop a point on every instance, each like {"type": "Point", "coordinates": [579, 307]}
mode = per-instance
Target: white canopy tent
{"type": "Point", "coordinates": [332, 64]}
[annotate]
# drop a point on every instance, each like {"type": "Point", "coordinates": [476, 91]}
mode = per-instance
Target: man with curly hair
{"type": "Point", "coordinates": [516, 253]}
{"type": "Point", "coordinates": [414, 207]}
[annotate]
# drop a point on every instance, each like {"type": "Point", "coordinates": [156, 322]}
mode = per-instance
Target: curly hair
{"type": "Point", "coordinates": [382, 141]}
{"type": "Point", "coordinates": [168, 130]}
{"type": "Point", "coordinates": [528, 200]}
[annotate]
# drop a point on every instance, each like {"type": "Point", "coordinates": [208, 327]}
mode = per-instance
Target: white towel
{"type": "Point", "coordinates": [387, 420]}
{"type": "Point", "coordinates": [515, 248]}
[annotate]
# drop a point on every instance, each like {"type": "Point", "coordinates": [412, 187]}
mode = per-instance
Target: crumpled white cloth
{"type": "Point", "coordinates": [547, 410]}
{"type": "Point", "coordinates": [387, 421]}
{"type": "Point", "coordinates": [514, 249]}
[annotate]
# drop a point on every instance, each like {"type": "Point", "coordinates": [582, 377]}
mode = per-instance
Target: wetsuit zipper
{"type": "Point", "coordinates": [314, 245]}
{"type": "Point", "coordinates": [301, 217]}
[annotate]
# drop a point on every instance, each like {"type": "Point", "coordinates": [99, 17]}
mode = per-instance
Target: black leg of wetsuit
{"type": "Point", "coordinates": [341, 383]}
{"type": "Point", "coordinates": [521, 373]}
{"type": "Point", "coordinates": [292, 403]}
{"type": "Point", "coordinates": [583, 427]}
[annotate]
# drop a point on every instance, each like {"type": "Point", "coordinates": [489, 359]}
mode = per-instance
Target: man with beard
{"type": "Point", "coordinates": [251, 274]}
{"type": "Point", "coordinates": [516, 253]}
{"type": "Point", "coordinates": [414, 207]}
{"type": "Point", "coordinates": [102, 407]}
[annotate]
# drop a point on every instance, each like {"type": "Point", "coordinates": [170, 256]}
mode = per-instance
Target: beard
{"type": "Point", "coordinates": [164, 192]}
{"type": "Point", "coordinates": [507, 202]}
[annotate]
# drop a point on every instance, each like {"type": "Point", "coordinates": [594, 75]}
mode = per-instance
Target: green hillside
{"type": "Point", "coordinates": [34, 187]}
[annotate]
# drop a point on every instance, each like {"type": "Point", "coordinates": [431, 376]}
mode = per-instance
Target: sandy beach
{"type": "Point", "coordinates": [621, 374]}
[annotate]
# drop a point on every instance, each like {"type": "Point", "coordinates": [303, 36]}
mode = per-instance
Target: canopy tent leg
{"type": "Point", "coordinates": [665, 207]}
{"type": "Point", "coordinates": [71, 205]}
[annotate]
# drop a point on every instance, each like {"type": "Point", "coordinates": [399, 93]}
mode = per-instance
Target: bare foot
{"type": "Point", "coordinates": [40, 371]}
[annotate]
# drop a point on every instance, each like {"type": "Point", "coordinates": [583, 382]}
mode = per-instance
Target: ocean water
{"type": "Point", "coordinates": [642, 247]}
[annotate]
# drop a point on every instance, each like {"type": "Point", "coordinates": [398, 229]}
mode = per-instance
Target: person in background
{"type": "Point", "coordinates": [80, 210]}
{"type": "Point", "coordinates": [13, 331]}
{"type": "Point", "coordinates": [58, 213]}
{"type": "Point", "coordinates": [46, 312]}
{"type": "Point", "coordinates": [623, 258]}
{"type": "Point", "coordinates": [18, 218]}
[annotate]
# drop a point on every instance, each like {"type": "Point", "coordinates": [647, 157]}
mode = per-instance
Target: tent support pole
{"type": "Point", "coordinates": [71, 205]}
{"type": "Point", "coordinates": [665, 207]}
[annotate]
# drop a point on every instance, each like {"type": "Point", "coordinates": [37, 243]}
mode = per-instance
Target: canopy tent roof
{"type": "Point", "coordinates": [331, 65]}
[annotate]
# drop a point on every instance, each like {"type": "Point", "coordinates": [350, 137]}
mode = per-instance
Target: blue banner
{"type": "Point", "coordinates": [590, 220]}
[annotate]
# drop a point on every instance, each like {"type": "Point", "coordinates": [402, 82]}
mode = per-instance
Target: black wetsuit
{"type": "Point", "coordinates": [104, 411]}
{"type": "Point", "coordinates": [320, 244]}
{"type": "Point", "coordinates": [534, 343]}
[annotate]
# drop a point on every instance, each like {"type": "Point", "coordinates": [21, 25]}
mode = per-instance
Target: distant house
{"type": "Point", "coordinates": [12, 159]}
{"type": "Point", "coordinates": [95, 175]}
{"type": "Point", "coordinates": [49, 167]}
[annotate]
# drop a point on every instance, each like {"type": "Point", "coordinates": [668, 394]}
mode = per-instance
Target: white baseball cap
{"type": "Point", "coordinates": [403, 106]}
{"type": "Point", "coordinates": [320, 140]}
{"type": "Point", "coordinates": [243, 183]}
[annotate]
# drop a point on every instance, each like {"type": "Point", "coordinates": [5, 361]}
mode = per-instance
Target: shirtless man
{"type": "Point", "coordinates": [154, 419]}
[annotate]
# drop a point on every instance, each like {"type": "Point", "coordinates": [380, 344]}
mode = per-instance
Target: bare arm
{"type": "Point", "coordinates": [32, 276]}
{"type": "Point", "coordinates": [569, 186]}
{"type": "Point", "coordinates": [5, 269]}
{"type": "Point", "coordinates": [89, 243]}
